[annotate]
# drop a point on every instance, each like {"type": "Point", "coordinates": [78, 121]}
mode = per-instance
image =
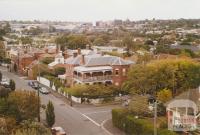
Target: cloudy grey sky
{"type": "Point", "coordinates": [92, 10]}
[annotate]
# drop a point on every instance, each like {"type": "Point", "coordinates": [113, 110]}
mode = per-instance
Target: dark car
{"type": "Point", "coordinates": [33, 84]}
{"type": "Point", "coordinates": [30, 83]}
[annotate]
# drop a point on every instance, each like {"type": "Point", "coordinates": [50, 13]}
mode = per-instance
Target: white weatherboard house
{"type": "Point", "coordinates": [182, 112]}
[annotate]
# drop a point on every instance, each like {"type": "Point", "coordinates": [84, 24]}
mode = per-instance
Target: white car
{"type": "Point", "coordinates": [58, 131]}
{"type": "Point", "coordinates": [5, 81]}
{"type": "Point", "coordinates": [44, 90]}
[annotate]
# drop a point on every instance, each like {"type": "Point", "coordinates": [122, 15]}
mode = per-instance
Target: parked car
{"type": "Point", "coordinates": [58, 131]}
{"type": "Point", "coordinates": [30, 83]}
{"type": "Point", "coordinates": [33, 84]}
{"type": "Point", "coordinates": [5, 81]}
{"type": "Point", "coordinates": [36, 85]}
{"type": "Point", "coordinates": [44, 90]}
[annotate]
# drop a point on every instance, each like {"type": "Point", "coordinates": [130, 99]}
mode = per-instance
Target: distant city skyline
{"type": "Point", "coordinates": [97, 10]}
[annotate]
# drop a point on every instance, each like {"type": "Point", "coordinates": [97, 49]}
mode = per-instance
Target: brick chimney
{"type": "Point", "coordinates": [88, 47]}
{"type": "Point", "coordinates": [46, 50]}
{"type": "Point", "coordinates": [57, 48]}
{"type": "Point", "coordinates": [74, 54]}
{"type": "Point", "coordinates": [25, 50]}
{"type": "Point", "coordinates": [79, 51]}
{"type": "Point", "coordinates": [65, 54]}
{"type": "Point", "coordinates": [82, 59]}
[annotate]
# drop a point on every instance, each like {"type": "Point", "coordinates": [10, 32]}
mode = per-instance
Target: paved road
{"type": "Point", "coordinates": [75, 120]}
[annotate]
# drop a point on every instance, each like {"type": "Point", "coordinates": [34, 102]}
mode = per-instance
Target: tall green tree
{"type": "Point", "coordinates": [99, 42]}
{"type": "Point", "coordinates": [59, 71]}
{"type": "Point", "coordinates": [177, 75]}
{"type": "Point", "coordinates": [72, 41]}
{"type": "Point", "coordinates": [26, 40]}
{"type": "Point", "coordinates": [2, 51]}
{"type": "Point", "coordinates": [128, 42]}
{"type": "Point", "coordinates": [50, 115]}
{"type": "Point", "coordinates": [4, 92]}
{"type": "Point", "coordinates": [23, 105]}
{"type": "Point", "coordinates": [1, 76]}
{"type": "Point", "coordinates": [15, 68]}
{"type": "Point", "coordinates": [32, 128]}
{"type": "Point", "coordinates": [164, 95]}
{"type": "Point", "coordinates": [12, 85]}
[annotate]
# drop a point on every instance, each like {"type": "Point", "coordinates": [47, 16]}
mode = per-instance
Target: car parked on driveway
{"type": "Point", "coordinates": [33, 84]}
{"type": "Point", "coordinates": [5, 81]}
{"type": "Point", "coordinates": [58, 131]}
{"type": "Point", "coordinates": [30, 83]}
{"type": "Point", "coordinates": [44, 90]}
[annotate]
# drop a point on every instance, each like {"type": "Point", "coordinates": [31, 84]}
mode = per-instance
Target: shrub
{"type": "Point", "coordinates": [135, 126]}
{"type": "Point", "coordinates": [118, 118]}
{"type": "Point", "coordinates": [125, 121]}
{"type": "Point", "coordinates": [12, 85]}
{"type": "Point", "coordinates": [164, 95]}
{"type": "Point", "coordinates": [108, 99]}
{"type": "Point", "coordinates": [4, 92]}
{"type": "Point", "coordinates": [59, 71]}
{"type": "Point", "coordinates": [47, 60]}
{"type": "Point", "coordinates": [94, 91]}
{"type": "Point", "coordinates": [57, 83]}
{"type": "Point", "coordinates": [50, 115]}
{"type": "Point", "coordinates": [166, 132]}
{"type": "Point", "coordinates": [163, 124]}
{"type": "Point", "coordinates": [129, 124]}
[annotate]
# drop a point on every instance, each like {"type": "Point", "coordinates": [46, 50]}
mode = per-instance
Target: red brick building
{"type": "Point", "coordinates": [23, 63]}
{"type": "Point", "coordinates": [98, 69]}
{"type": "Point", "coordinates": [93, 68]}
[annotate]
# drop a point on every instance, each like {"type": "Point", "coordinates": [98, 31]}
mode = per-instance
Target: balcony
{"type": "Point", "coordinates": [94, 78]}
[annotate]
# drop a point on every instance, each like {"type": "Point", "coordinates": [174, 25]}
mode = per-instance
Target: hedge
{"type": "Point", "coordinates": [166, 132]}
{"type": "Point", "coordinates": [118, 118]}
{"type": "Point", "coordinates": [135, 126]}
{"type": "Point", "coordinates": [123, 120]}
{"type": "Point", "coordinates": [94, 91]}
{"type": "Point", "coordinates": [132, 126]}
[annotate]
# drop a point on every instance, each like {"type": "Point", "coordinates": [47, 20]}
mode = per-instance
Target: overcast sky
{"type": "Point", "coordinates": [94, 10]}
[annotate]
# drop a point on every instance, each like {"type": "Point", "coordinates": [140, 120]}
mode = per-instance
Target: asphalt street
{"type": "Point", "coordinates": [77, 120]}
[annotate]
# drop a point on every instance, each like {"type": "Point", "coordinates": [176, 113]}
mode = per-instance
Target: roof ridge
{"type": "Point", "coordinates": [120, 61]}
{"type": "Point", "coordinates": [88, 61]}
{"type": "Point", "coordinates": [114, 61]}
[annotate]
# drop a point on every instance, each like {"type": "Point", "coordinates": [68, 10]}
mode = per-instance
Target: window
{"type": "Point", "coordinates": [116, 84]}
{"type": "Point", "coordinates": [116, 71]}
{"type": "Point", "coordinates": [124, 72]}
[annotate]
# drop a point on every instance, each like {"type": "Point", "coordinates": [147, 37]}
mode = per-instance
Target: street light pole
{"type": "Point", "coordinates": [18, 62]}
{"type": "Point", "coordinates": [155, 117]}
{"type": "Point", "coordinates": [38, 92]}
{"type": "Point", "coordinates": [173, 94]}
{"type": "Point", "coordinates": [71, 100]}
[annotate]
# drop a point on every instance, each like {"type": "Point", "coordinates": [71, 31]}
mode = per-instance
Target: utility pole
{"type": "Point", "coordinates": [38, 92]}
{"type": "Point", "coordinates": [155, 117]}
{"type": "Point", "coordinates": [18, 62]}
{"type": "Point", "coordinates": [71, 100]}
{"type": "Point", "coordinates": [173, 94]}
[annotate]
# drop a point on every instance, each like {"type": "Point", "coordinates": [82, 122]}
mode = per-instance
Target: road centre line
{"type": "Point", "coordinates": [96, 112]}
{"type": "Point", "coordinates": [97, 124]}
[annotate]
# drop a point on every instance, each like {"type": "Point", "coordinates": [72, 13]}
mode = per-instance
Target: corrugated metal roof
{"type": "Point", "coordinates": [98, 60]}
{"type": "Point", "coordinates": [107, 60]}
